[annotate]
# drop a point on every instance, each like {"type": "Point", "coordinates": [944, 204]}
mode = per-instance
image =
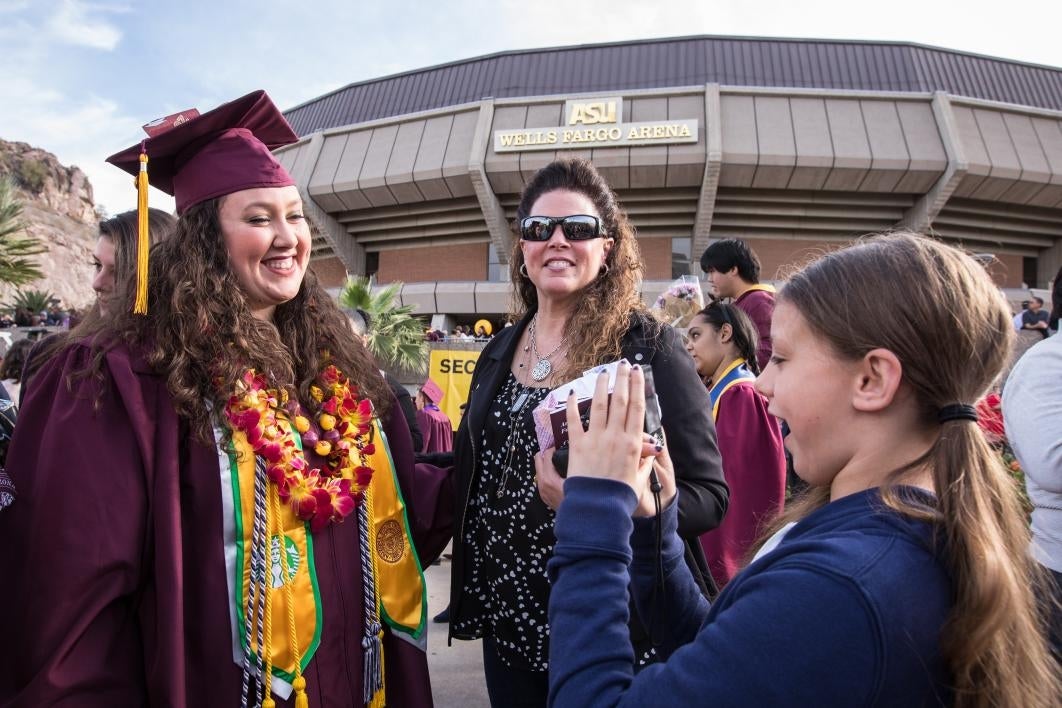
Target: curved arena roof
{"type": "Point", "coordinates": [686, 61]}
{"type": "Point", "coordinates": [798, 144]}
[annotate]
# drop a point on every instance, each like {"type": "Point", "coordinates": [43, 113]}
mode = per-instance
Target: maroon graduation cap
{"type": "Point", "coordinates": [199, 157]}
{"type": "Point", "coordinates": [432, 391]}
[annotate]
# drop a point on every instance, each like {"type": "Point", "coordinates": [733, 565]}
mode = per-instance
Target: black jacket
{"type": "Point", "coordinates": [409, 411]}
{"type": "Point", "coordinates": [688, 426]}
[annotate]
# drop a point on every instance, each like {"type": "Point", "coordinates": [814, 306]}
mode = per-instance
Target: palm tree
{"type": "Point", "coordinates": [33, 301]}
{"type": "Point", "coordinates": [16, 265]}
{"type": "Point", "coordinates": [396, 337]}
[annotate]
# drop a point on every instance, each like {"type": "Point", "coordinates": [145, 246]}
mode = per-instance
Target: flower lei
{"type": "Point", "coordinates": [266, 415]}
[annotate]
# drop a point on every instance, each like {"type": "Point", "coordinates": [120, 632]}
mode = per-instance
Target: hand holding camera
{"type": "Point", "coordinates": [613, 445]}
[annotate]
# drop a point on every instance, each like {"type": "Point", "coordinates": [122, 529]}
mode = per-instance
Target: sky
{"type": "Point", "coordinates": [78, 78]}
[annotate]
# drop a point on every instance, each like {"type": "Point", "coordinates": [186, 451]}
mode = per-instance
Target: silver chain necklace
{"type": "Point", "coordinates": [543, 368]}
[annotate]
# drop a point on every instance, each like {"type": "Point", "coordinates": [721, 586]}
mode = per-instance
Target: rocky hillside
{"type": "Point", "coordinates": [59, 210]}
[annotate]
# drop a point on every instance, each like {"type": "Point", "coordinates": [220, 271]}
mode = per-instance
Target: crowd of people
{"type": "Point", "coordinates": [463, 333]}
{"type": "Point", "coordinates": [53, 316]}
{"type": "Point", "coordinates": [217, 497]}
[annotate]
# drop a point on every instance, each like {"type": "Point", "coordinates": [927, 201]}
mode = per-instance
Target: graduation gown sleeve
{"type": "Point", "coordinates": [750, 443]}
{"type": "Point", "coordinates": [427, 490]}
{"type": "Point", "coordinates": [74, 544]}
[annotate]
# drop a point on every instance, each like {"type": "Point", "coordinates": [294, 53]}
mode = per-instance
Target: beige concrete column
{"type": "Point", "coordinates": [1047, 265]}
{"type": "Point", "coordinates": [713, 144]}
{"type": "Point", "coordinates": [493, 214]}
{"type": "Point", "coordinates": [922, 213]}
{"type": "Point", "coordinates": [342, 243]}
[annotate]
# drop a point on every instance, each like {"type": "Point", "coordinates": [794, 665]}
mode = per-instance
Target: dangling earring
{"type": "Point", "coordinates": [523, 270]}
{"type": "Point", "coordinates": [604, 269]}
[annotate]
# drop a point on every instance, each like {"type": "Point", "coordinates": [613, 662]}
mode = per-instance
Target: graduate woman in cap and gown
{"type": "Point", "coordinates": [722, 341]}
{"type": "Point", "coordinates": [434, 425]}
{"type": "Point", "coordinates": [218, 504]}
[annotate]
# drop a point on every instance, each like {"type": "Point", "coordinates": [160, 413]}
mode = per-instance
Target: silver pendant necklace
{"type": "Point", "coordinates": [543, 368]}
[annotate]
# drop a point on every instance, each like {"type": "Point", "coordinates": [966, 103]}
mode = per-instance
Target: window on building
{"type": "Point", "coordinates": [681, 252]}
{"type": "Point", "coordinates": [1029, 273]}
{"type": "Point", "coordinates": [372, 263]}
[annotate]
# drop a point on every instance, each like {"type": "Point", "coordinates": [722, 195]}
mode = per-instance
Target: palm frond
{"type": "Point", "coordinates": [32, 300]}
{"type": "Point", "coordinates": [396, 337]}
{"type": "Point", "coordinates": [16, 265]}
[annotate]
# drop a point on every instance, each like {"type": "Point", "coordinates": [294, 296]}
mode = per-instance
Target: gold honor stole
{"type": "Point", "coordinates": [400, 588]}
{"type": "Point", "coordinates": [732, 375]}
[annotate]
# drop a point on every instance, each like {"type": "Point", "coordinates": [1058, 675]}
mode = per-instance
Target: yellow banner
{"type": "Point", "coordinates": [452, 370]}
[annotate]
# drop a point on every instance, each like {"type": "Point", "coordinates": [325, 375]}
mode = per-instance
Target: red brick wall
{"type": "Point", "coordinates": [656, 255]}
{"type": "Point", "coordinates": [779, 255]}
{"type": "Point", "coordinates": [1006, 270]}
{"type": "Point", "coordinates": [418, 264]}
{"type": "Point", "coordinates": [330, 272]}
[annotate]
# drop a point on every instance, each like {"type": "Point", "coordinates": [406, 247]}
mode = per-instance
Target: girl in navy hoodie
{"type": "Point", "coordinates": [901, 578]}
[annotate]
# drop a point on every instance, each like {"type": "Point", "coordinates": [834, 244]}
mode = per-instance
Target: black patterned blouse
{"type": "Point", "coordinates": [510, 535]}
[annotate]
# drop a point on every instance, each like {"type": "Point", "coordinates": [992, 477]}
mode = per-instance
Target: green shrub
{"type": "Point", "coordinates": [32, 174]}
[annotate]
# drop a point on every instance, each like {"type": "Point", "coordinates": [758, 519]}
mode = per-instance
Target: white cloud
{"type": "Point", "coordinates": [74, 23]}
{"type": "Point", "coordinates": [80, 131]}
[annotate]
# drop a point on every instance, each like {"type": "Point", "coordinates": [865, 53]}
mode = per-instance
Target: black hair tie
{"type": "Point", "coordinates": [957, 411]}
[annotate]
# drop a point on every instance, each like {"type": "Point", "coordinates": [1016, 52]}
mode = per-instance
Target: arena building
{"type": "Point", "coordinates": [795, 145]}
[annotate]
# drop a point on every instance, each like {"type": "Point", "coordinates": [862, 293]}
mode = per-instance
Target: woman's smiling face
{"type": "Point", "coordinates": [268, 242]}
{"type": "Point", "coordinates": [559, 267]}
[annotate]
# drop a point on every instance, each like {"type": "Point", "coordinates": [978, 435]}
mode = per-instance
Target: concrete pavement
{"type": "Point", "coordinates": [457, 670]}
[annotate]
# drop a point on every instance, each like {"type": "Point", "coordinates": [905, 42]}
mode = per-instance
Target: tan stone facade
{"type": "Point", "coordinates": [427, 199]}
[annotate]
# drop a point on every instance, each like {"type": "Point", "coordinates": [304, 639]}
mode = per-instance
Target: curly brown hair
{"type": "Point", "coordinates": [595, 328]}
{"type": "Point", "coordinates": [200, 332]}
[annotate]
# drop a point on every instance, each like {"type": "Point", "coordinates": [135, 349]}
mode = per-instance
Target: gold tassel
{"type": "Point", "coordinates": [301, 700]}
{"type": "Point", "coordinates": [299, 682]}
{"type": "Point", "coordinates": [143, 242]}
{"type": "Point", "coordinates": [267, 642]}
{"type": "Point", "coordinates": [380, 699]}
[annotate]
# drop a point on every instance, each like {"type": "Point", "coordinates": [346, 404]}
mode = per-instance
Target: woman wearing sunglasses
{"type": "Point", "coordinates": [576, 269]}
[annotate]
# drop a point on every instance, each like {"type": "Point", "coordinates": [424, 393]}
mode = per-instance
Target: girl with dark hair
{"type": "Point", "coordinates": [902, 578]}
{"type": "Point", "coordinates": [209, 488]}
{"type": "Point", "coordinates": [575, 269]}
{"type": "Point", "coordinates": [721, 339]}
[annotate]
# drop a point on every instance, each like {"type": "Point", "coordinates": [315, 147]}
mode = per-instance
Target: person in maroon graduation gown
{"type": "Point", "coordinates": [171, 512]}
{"type": "Point", "coordinates": [434, 425]}
{"type": "Point", "coordinates": [722, 342]}
{"type": "Point", "coordinates": [733, 271]}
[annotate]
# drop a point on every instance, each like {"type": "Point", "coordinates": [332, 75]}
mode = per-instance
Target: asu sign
{"type": "Point", "coordinates": [596, 122]}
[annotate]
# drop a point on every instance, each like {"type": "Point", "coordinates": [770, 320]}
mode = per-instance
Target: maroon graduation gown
{"type": "Point", "coordinates": [759, 306]}
{"type": "Point", "coordinates": [114, 589]}
{"type": "Point", "coordinates": [750, 443]}
{"type": "Point", "coordinates": [436, 429]}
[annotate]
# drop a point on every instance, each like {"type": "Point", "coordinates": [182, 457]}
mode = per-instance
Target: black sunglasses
{"type": "Point", "coordinates": [578, 227]}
